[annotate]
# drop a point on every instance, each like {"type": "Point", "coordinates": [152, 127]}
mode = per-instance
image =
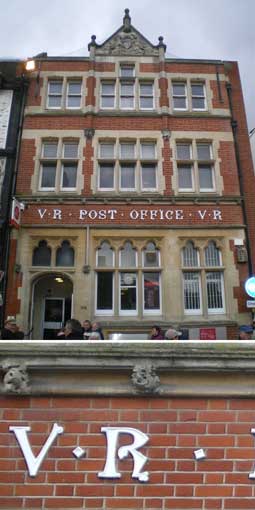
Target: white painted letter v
{"type": "Point", "coordinates": [33, 463]}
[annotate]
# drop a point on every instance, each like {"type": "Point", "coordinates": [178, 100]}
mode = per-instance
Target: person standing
{"type": "Point", "coordinates": [245, 332]}
{"type": "Point", "coordinates": [156, 333]}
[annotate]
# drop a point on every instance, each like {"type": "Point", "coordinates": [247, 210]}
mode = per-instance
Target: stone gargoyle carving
{"type": "Point", "coordinates": [16, 379]}
{"type": "Point", "coordinates": [145, 379]}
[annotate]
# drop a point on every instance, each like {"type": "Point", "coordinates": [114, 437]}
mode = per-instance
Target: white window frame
{"type": "Point", "coordinates": [202, 271]}
{"type": "Point", "coordinates": [214, 311]}
{"type": "Point", "coordinates": [146, 82]}
{"type": "Point", "coordinates": [117, 161]}
{"type": "Point", "coordinates": [126, 82]}
{"type": "Point", "coordinates": [97, 310]}
{"type": "Point", "coordinates": [186, 190]}
{"type": "Point", "coordinates": [50, 81]}
{"type": "Point", "coordinates": [112, 82]}
{"type": "Point", "coordinates": [44, 188]}
{"type": "Point", "coordinates": [198, 96]}
{"type": "Point", "coordinates": [116, 271]}
{"type": "Point", "coordinates": [175, 82]}
{"type": "Point", "coordinates": [128, 312]}
{"type": "Point", "coordinates": [59, 160]}
{"type": "Point", "coordinates": [194, 311]}
{"type": "Point", "coordinates": [73, 95]}
{"type": "Point", "coordinates": [152, 311]}
{"type": "Point", "coordinates": [195, 164]}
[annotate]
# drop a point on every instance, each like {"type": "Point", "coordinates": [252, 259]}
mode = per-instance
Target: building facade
{"type": "Point", "coordinates": [12, 101]}
{"type": "Point", "coordinates": [133, 170]}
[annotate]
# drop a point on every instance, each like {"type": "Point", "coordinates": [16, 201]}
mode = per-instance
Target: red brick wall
{"type": "Point", "coordinates": [176, 427]}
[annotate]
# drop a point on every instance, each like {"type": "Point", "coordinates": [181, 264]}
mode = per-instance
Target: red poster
{"type": "Point", "coordinates": [207, 334]}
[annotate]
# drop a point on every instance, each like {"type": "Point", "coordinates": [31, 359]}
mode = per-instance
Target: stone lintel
{"type": "Point", "coordinates": [129, 368]}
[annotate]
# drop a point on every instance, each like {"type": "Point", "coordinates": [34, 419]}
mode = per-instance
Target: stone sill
{"type": "Point", "coordinates": [128, 368]}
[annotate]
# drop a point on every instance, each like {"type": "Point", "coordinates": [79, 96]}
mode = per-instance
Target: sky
{"type": "Point", "coordinates": [206, 29]}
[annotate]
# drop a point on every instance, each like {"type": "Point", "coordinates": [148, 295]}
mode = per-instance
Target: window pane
{"type": "Point", "coordinates": [127, 102]}
{"type": "Point", "coordinates": [55, 87]}
{"type": "Point", "coordinates": [127, 150]}
{"type": "Point", "coordinates": [127, 71]}
{"type": "Point", "coordinates": [73, 101]}
{"type": "Point", "coordinates": [148, 150]}
{"type": "Point", "coordinates": [185, 177]}
{"type": "Point", "coordinates": [69, 176]}
{"type": "Point", "coordinates": [205, 177]}
{"type": "Point", "coordinates": [42, 255]}
{"type": "Point", "coordinates": [128, 256]}
{"type": "Point", "coordinates": [65, 255]}
{"type": "Point", "coordinates": [74, 87]}
{"type": "Point", "coordinates": [48, 176]}
{"type": "Point", "coordinates": [50, 150]}
{"type": "Point", "coordinates": [146, 89]}
{"type": "Point", "coordinates": [198, 103]}
{"type": "Point", "coordinates": [107, 150]}
{"type": "Point", "coordinates": [54, 101]}
{"type": "Point", "coordinates": [183, 151]}
{"type": "Point", "coordinates": [197, 89]}
{"type": "Point", "coordinates": [180, 102]}
{"type": "Point", "coordinates": [146, 102]}
{"type": "Point", "coordinates": [127, 291]}
{"type": "Point", "coordinates": [148, 176]}
{"type": "Point", "coordinates": [214, 291]}
{"type": "Point", "coordinates": [212, 255]}
{"type": "Point", "coordinates": [204, 151]}
{"type": "Point", "coordinates": [191, 291]}
{"type": "Point", "coordinates": [106, 176]}
{"type": "Point", "coordinates": [108, 89]}
{"type": "Point", "coordinates": [127, 177]}
{"type": "Point", "coordinates": [127, 89]}
{"type": "Point", "coordinates": [190, 256]}
{"type": "Point", "coordinates": [108, 102]}
{"type": "Point", "coordinates": [151, 282]}
{"type": "Point", "coordinates": [70, 150]}
{"type": "Point", "coordinates": [105, 291]}
{"type": "Point", "coordinates": [105, 256]}
{"type": "Point", "coordinates": [179, 89]}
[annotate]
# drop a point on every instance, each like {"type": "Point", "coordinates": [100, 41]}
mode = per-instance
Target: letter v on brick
{"type": "Point", "coordinates": [33, 463]}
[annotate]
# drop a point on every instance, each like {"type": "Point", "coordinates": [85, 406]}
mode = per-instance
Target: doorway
{"type": "Point", "coordinates": [51, 305]}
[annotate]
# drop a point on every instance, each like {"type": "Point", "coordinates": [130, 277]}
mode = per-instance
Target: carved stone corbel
{"type": "Point", "coordinates": [16, 379]}
{"type": "Point", "coordinates": [145, 379]}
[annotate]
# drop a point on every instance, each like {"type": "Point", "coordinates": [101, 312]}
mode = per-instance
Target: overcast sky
{"type": "Point", "coordinates": [207, 29]}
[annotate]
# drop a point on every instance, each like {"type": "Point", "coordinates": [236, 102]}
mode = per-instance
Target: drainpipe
{"type": "Point", "coordinates": [240, 176]}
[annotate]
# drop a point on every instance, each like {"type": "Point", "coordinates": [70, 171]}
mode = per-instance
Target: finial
{"type": "Point", "coordinates": [92, 43]}
{"type": "Point", "coordinates": [161, 43]}
{"type": "Point", "coordinates": [93, 40]}
{"type": "Point", "coordinates": [127, 21]}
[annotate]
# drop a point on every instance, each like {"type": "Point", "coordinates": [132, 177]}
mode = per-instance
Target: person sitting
{"type": "Point", "coordinates": [172, 334]}
{"type": "Point", "coordinates": [97, 329]}
{"type": "Point", "coordinates": [156, 333]}
{"type": "Point", "coordinates": [245, 332]}
{"type": "Point", "coordinates": [87, 328]}
{"type": "Point", "coordinates": [73, 330]}
{"type": "Point", "coordinates": [11, 331]}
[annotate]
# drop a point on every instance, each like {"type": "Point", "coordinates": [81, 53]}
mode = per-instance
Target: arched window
{"type": "Point", "coordinates": [42, 255]}
{"type": "Point", "coordinates": [65, 255]}
{"type": "Point", "coordinates": [212, 255]}
{"type": "Point", "coordinates": [151, 255]}
{"type": "Point", "coordinates": [128, 256]}
{"type": "Point", "coordinates": [190, 255]}
{"type": "Point", "coordinates": [105, 255]}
